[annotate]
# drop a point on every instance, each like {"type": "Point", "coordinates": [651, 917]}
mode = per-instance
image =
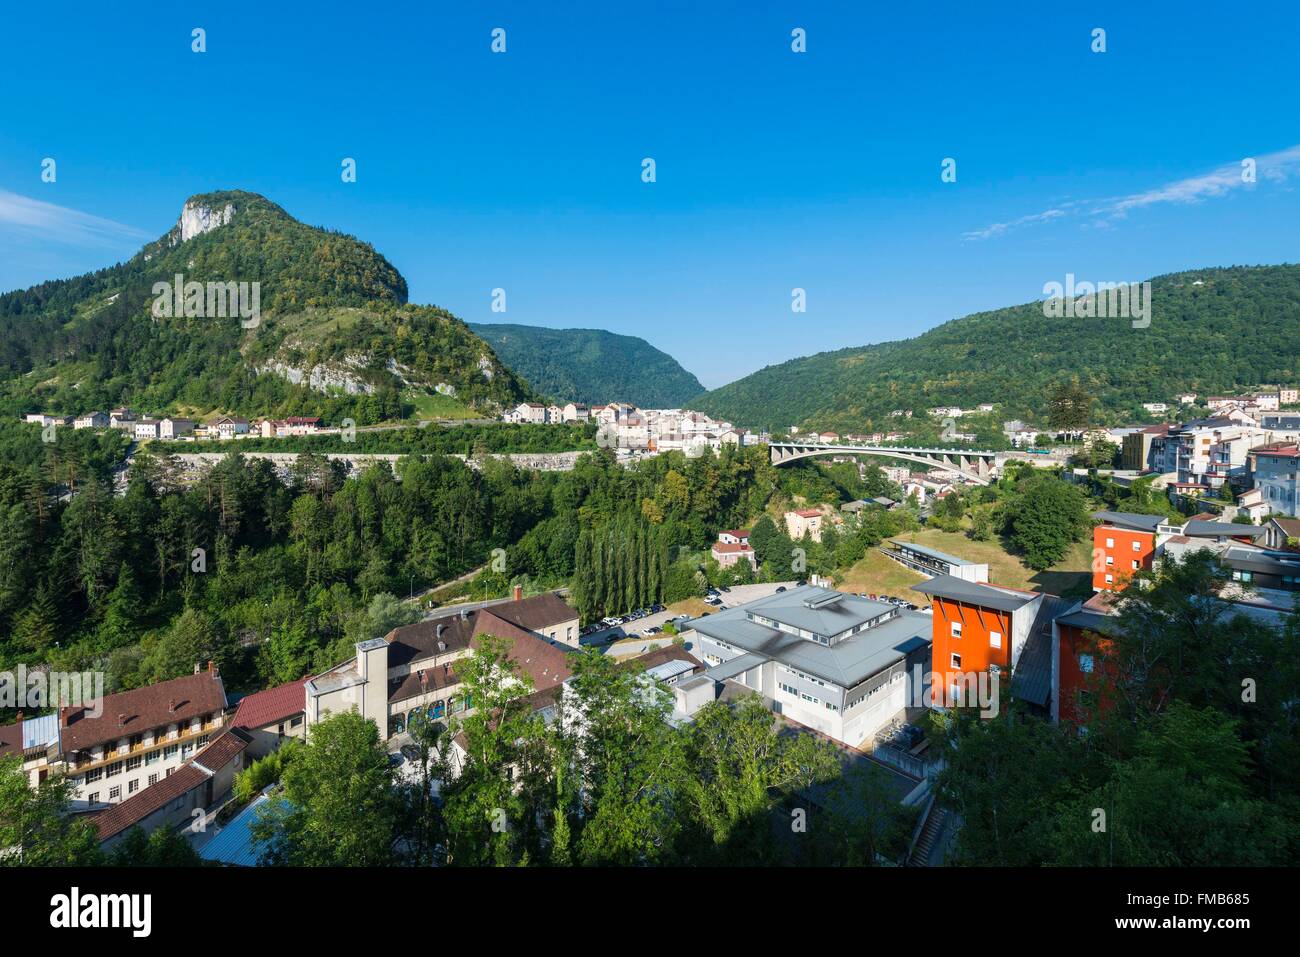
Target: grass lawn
{"type": "Point", "coordinates": [438, 406]}
{"type": "Point", "coordinates": [695, 607]}
{"type": "Point", "coordinates": [1071, 577]}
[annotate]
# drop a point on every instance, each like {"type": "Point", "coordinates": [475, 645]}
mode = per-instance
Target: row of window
{"type": "Point", "coordinates": [995, 637]}
{"type": "Point", "coordinates": [115, 792]}
{"type": "Point", "coordinates": [1137, 546]}
{"type": "Point", "coordinates": [133, 763]}
{"type": "Point", "coordinates": [803, 695]}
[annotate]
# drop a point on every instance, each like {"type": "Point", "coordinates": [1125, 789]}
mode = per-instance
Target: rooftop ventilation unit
{"type": "Point", "coordinates": [825, 601]}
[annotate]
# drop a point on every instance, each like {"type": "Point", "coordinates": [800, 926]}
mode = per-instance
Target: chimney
{"type": "Point", "coordinates": [440, 627]}
{"type": "Point", "coordinates": [19, 720]}
{"type": "Point", "coordinates": [519, 592]}
{"type": "Point", "coordinates": [424, 679]}
{"type": "Point", "coordinates": [171, 705]}
{"type": "Point", "coordinates": [121, 720]}
{"type": "Point", "coordinates": [196, 667]}
{"type": "Point", "coordinates": [212, 668]}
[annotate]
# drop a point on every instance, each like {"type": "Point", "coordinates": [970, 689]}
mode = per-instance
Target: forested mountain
{"type": "Point", "coordinates": [334, 333]}
{"type": "Point", "coordinates": [1211, 331]}
{"type": "Point", "coordinates": [591, 365]}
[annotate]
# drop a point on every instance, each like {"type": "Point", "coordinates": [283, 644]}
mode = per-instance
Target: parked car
{"type": "Point", "coordinates": [411, 752]}
{"type": "Point", "coordinates": [780, 588]}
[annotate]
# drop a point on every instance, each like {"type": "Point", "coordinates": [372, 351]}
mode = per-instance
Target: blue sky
{"type": "Point", "coordinates": [775, 170]}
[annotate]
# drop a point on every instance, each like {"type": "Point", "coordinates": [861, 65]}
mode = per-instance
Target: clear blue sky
{"type": "Point", "coordinates": [775, 170]}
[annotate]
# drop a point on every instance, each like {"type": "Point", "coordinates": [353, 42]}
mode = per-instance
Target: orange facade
{"type": "Point", "coordinates": [1082, 676]}
{"type": "Point", "coordinates": [1117, 554]}
{"type": "Point", "coordinates": [977, 637]}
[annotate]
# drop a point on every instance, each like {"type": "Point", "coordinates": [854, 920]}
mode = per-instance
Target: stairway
{"type": "Point", "coordinates": [920, 855]}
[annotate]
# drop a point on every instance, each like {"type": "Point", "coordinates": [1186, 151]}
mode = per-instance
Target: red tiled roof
{"type": "Point", "coordinates": [222, 749]}
{"type": "Point", "coordinates": [11, 739]}
{"type": "Point", "coordinates": [184, 779]}
{"type": "Point", "coordinates": [544, 662]}
{"type": "Point", "coordinates": [154, 798]}
{"type": "Point", "coordinates": [272, 705]}
{"type": "Point", "coordinates": [807, 512]}
{"type": "Point", "coordinates": [728, 548]}
{"type": "Point", "coordinates": [153, 706]}
{"type": "Point", "coordinates": [737, 532]}
{"type": "Point", "coordinates": [534, 613]}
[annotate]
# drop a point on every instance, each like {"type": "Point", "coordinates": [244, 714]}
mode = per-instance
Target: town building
{"type": "Point", "coordinates": [982, 629]}
{"type": "Point", "coordinates": [272, 716]}
{"type": "Point", "coordinates": [138, 737]}
{"type": "Point", "coordinates": [804, 521]}
{"type": "Point", "coordinates": [188, 794]}
{"type": "Point", "coordinates": [1275, 471]}
{"type": "Point", "coordinates": [931, 561]}
{"type": "Point", "coordinates": [733, 546]}
{"type": "Point", "coordinates": [413, 668]}
{"type": "Point", "coordinates": [228, 427]}
{"type": "Point", "coordinates": [171, 428]}
{"type": "Point", "coordinates": [91, 420]}
{"type": "Point", "coordinates": [145, 428]}
{"type": "Point", "coordinates": [842, 665]}
{"type": "Point", "coordinates": [1123, 544]}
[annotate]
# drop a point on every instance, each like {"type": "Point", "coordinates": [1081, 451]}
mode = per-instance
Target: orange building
{"type": "Point", "coordinates": [976, 629]}
{"type": "Point", "coordinates": [1082, 663]}
{"type": "Point", "coordinates": [1123, 544]}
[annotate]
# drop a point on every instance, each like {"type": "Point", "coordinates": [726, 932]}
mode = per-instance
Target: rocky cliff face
{"type": "Point", "coordinates": [197, 219]}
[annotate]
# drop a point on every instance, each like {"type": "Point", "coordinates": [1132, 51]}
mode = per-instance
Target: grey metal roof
{"type": "Point", "coordinates": [1091, 621]}
{"type": "Point", "coordinates": [234, 843]}
{"type": "Point", "coordinates": [1200, 528]}
{"type": "Point", "coordinates": [1031, 679]}
{"type": "Point", "coordinates": [40, 732]}
{"type": "Point", "coordinates": [931, 552]}
{"type": "Point", "coordinates": [822, 611]}
{"type": "Point", "coordinates": [1257, 560]}
{"type": "Point", "coordinates": [973, 593]}
{"type": "Point", "coordinates": [1133, 520]}
{"type": "Point", "coordinates": [847, 662]}
{"type": "Point", "coordinates": [734, 667]}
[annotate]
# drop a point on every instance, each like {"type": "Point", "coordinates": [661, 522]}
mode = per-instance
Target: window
{"type": "Point", "coordinates": [1110, 579]}
{"type": "Point", "coordinates": [153, 757]}
{"type": "Point", "coordinates": [133, 763]}
{"type": "Point", "coordinates": [94, 774]}
{"type": "Point", "coordinates": [132, 786]}
{"type": "Point", "coordinates": [956, 661]}
{"type": "Point", "coordinates": [1110, 543]}
{"type": "Point", "coordinates": [1110, 559]}
{"type": "Point", "coordinates": [1137, 546]}
{"type": "Point", "coordinates": [93, 797]}
{"type": "Point", "coordinates": [295, 722]}
{"type": "Point", "coordinates": [115, 793]}
{"type": "Point", "coordinates": [170, 751]}
{"type": "Point", "coordinates": [1085, 664]}
{"type": "Point", "coordinates": [995, 639]}
{"type": "Point", "coordinates": [112, 769]}
{"type": "Point", "coordinates": [956, 629]}
{"type": "Point", "coordinates": [153, 779]}
{"type": "Point", "coordinates": [1135, 564]}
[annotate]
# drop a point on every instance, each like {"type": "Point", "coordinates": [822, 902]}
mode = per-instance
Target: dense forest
{"type": "Point", "coordinates": [328, 302]}
{"type": "Point", "coordinates": [275, 576]}
{"type": "Point", "coordinates": [591, 366]}
{"type": "Point", "coordinates": [1211, 331]}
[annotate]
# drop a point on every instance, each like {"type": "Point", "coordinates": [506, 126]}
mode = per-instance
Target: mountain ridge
{"type": "Point", "coordinates": [1212, 330]}
{"type": "Point", "coordinates": [336, 333]}
{"type": "Point", "coordinates": [591, 365]}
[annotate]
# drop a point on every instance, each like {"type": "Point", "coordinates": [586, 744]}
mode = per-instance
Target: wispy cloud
{"type": "Point", "coordinates": [48, 222]}
{"type": "Point", "coordinates": [1273, 167]}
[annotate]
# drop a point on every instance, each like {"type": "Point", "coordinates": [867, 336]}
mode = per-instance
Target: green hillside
{"type": "Point", "coordinates": [591, 365]}
{"type": "Point", "coordinates": [335, 334]}
{"type": "Point", "coordinates": [1211, 331]}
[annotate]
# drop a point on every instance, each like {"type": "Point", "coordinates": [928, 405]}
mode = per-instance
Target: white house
{"type": "Point", "coordinates": [170, 428]}
{"type": "Point", "coordinates": [91, 420]}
